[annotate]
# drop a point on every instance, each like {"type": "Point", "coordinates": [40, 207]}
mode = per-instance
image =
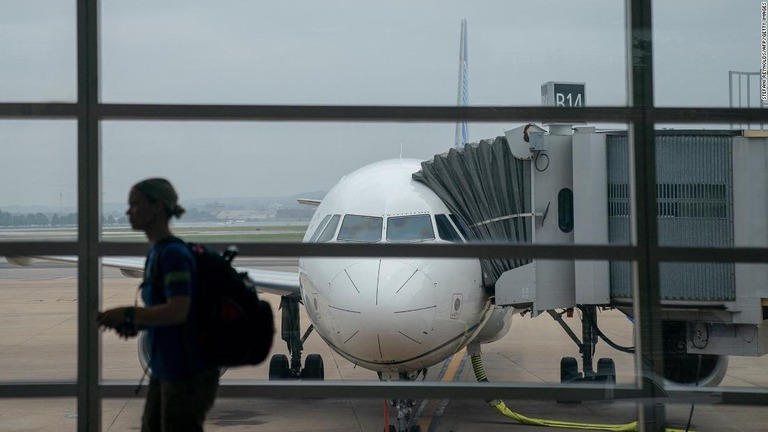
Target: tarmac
{"type": "Point", "coordinates": [38, 343]}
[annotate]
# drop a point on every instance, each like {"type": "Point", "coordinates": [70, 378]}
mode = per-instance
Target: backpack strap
{"type": "Point", "coordinates": [157, 293]}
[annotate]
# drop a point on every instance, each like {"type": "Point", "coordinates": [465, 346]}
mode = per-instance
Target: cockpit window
{"type": "Point", "coordinates": [410, 228]}
{"type": "Point", "coordinates": [361, 229]}
{"type": "Point", "coordinates": [460, 225]}
{"type": "Point", "coordinates": [329, 230]}
{"type": "Point", "coordinates": [319, 229]}
{"type": "Point", "coordinates": [445, 230]}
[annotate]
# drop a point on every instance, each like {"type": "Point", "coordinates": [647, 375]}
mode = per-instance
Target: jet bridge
{"type": "Point", "coordinates": [504, 192]}
{"type": "Point", "coordinates": [565, 187]}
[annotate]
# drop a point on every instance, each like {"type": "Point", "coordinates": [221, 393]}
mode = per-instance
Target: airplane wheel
{"type": "Point", "coordinates": [278, 367]}
{"type": "Point", "coordinates": [391, 428]}
{"type": "Point", "coordinates": [313, 367]}
{"type": "Point", "coordinates": [607, 368]}
{"type": "Point", "coordinates": [569, 370]}
{"type": "Point", "coordinates": [414, 428]}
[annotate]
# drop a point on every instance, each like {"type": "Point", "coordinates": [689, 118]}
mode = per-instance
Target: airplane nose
{"type": "Point", "coordinates": [392, 304]}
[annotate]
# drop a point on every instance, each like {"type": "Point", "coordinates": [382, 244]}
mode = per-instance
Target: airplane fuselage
{"type": "Point", "coordinates": [391, 314]}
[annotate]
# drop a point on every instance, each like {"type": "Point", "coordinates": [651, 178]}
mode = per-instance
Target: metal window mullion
{"type": "Point", "coordinates": [25, 249]}
{"type": "Point", "coordinates": [294, 249]}
{"type": "Point", "coordinates": [647, 307]}
{"type": "Point", "coordinates": [446, 114]}
{"type": "Point", "coordinates": [442, 114]}
{"type": "Point", "coordinates": [38, 110]}
{"type": "Point", "coordinates": [88, 185]}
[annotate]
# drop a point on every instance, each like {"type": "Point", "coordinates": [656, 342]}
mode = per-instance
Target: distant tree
{"type": "Point", "coordinates": [40, 220]}
{"type": "Point", "coordinates": [5, 219]}
{"type": "Point", "coordinates": [20, 220]}
{"type": "Point", "coordinates": [69, 219]}
{"type": "Point", "coordinates": [55, 220]}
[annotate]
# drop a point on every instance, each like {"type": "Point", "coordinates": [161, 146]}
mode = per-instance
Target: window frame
{"type": "Point", "coordinates": [641, 115]}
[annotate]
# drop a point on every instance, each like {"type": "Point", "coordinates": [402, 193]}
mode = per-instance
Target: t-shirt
{"type": "Point", "coordinates": [171, 355]}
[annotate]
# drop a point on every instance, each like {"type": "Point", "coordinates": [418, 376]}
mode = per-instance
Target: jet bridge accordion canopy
{"type": "Point", "coordinates": [488, 190]}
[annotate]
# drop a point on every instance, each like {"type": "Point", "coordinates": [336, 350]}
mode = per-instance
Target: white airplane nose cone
{"type": "Point", "coordinates": [388, 305]}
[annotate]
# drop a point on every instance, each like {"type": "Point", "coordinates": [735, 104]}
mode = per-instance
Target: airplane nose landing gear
{"type": "Point", "coordinates": [404, 407]}
{"type": "Point", "coordinates": [279, 367]}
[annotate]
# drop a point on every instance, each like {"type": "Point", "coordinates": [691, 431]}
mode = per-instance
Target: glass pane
{"type": "Point", "coordinates": [330, 230]}
{"type": "Point", "coordinates": [242, 180]}
{"type": "Point", "coordinates": [319, 229]}
{"type": "Point", "coordinates": [330, 54]}
{"type": "Point", "coordinates": [445, 229]}
{"type": "Point", "coordinates": [38, 322]}
{"type": "Point", "coordinates": [360, 228]}
{"type": "Point", "coordinates": [38, 181]}
{"type": "Point", "coordinates": [38, 57]}
{"type": "Point", "coordinates": [708, 184]}
{"type": "Point", "coordinates": [716, 27]}
{"type": "Point", "coordinates": [58, 414]}
{"type": "Point", "coordinates": [410, 228]}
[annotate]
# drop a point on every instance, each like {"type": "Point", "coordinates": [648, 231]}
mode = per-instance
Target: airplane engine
{"type": "Point", "coordinates": [683, 368]}
{"type": "Point", "coordinates": [21, 261]}
{"type": "Point", "coordinates": [496, 326]}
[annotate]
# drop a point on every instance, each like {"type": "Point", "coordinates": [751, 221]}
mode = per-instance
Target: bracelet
{"type": "Point", "coordinates": [130, 316]}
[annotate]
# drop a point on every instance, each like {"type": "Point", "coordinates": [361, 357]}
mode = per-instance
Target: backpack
{"type": "Point", "coordinates": [227, 319]}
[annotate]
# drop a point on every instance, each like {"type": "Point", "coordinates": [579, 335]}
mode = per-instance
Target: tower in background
{"type": "Point", "coordinates": [462, 130]}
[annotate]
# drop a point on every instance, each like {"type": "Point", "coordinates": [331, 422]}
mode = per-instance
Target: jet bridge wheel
{"type": "Point", "coordinates": [278, 367]}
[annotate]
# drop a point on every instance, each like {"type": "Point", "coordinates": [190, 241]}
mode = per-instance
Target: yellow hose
{"type": "Point", "coordinates": [500, 406]}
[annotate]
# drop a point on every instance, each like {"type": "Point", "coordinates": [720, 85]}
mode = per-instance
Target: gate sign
{"type": "Point", "coordinates": [567, 95]}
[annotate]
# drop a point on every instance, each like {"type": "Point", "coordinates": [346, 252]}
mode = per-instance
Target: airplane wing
{"type": "Point", "coordinates": [309, 201]}
{"type": "Point", "coordinates": [269, 281]}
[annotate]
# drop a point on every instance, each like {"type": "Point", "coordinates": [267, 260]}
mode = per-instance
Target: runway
{"type": "Point", "coordinates": [38, 343]}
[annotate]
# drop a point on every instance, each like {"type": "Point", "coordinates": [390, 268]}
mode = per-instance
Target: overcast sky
{"type": "Point", "coordinates": [326, 52]}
